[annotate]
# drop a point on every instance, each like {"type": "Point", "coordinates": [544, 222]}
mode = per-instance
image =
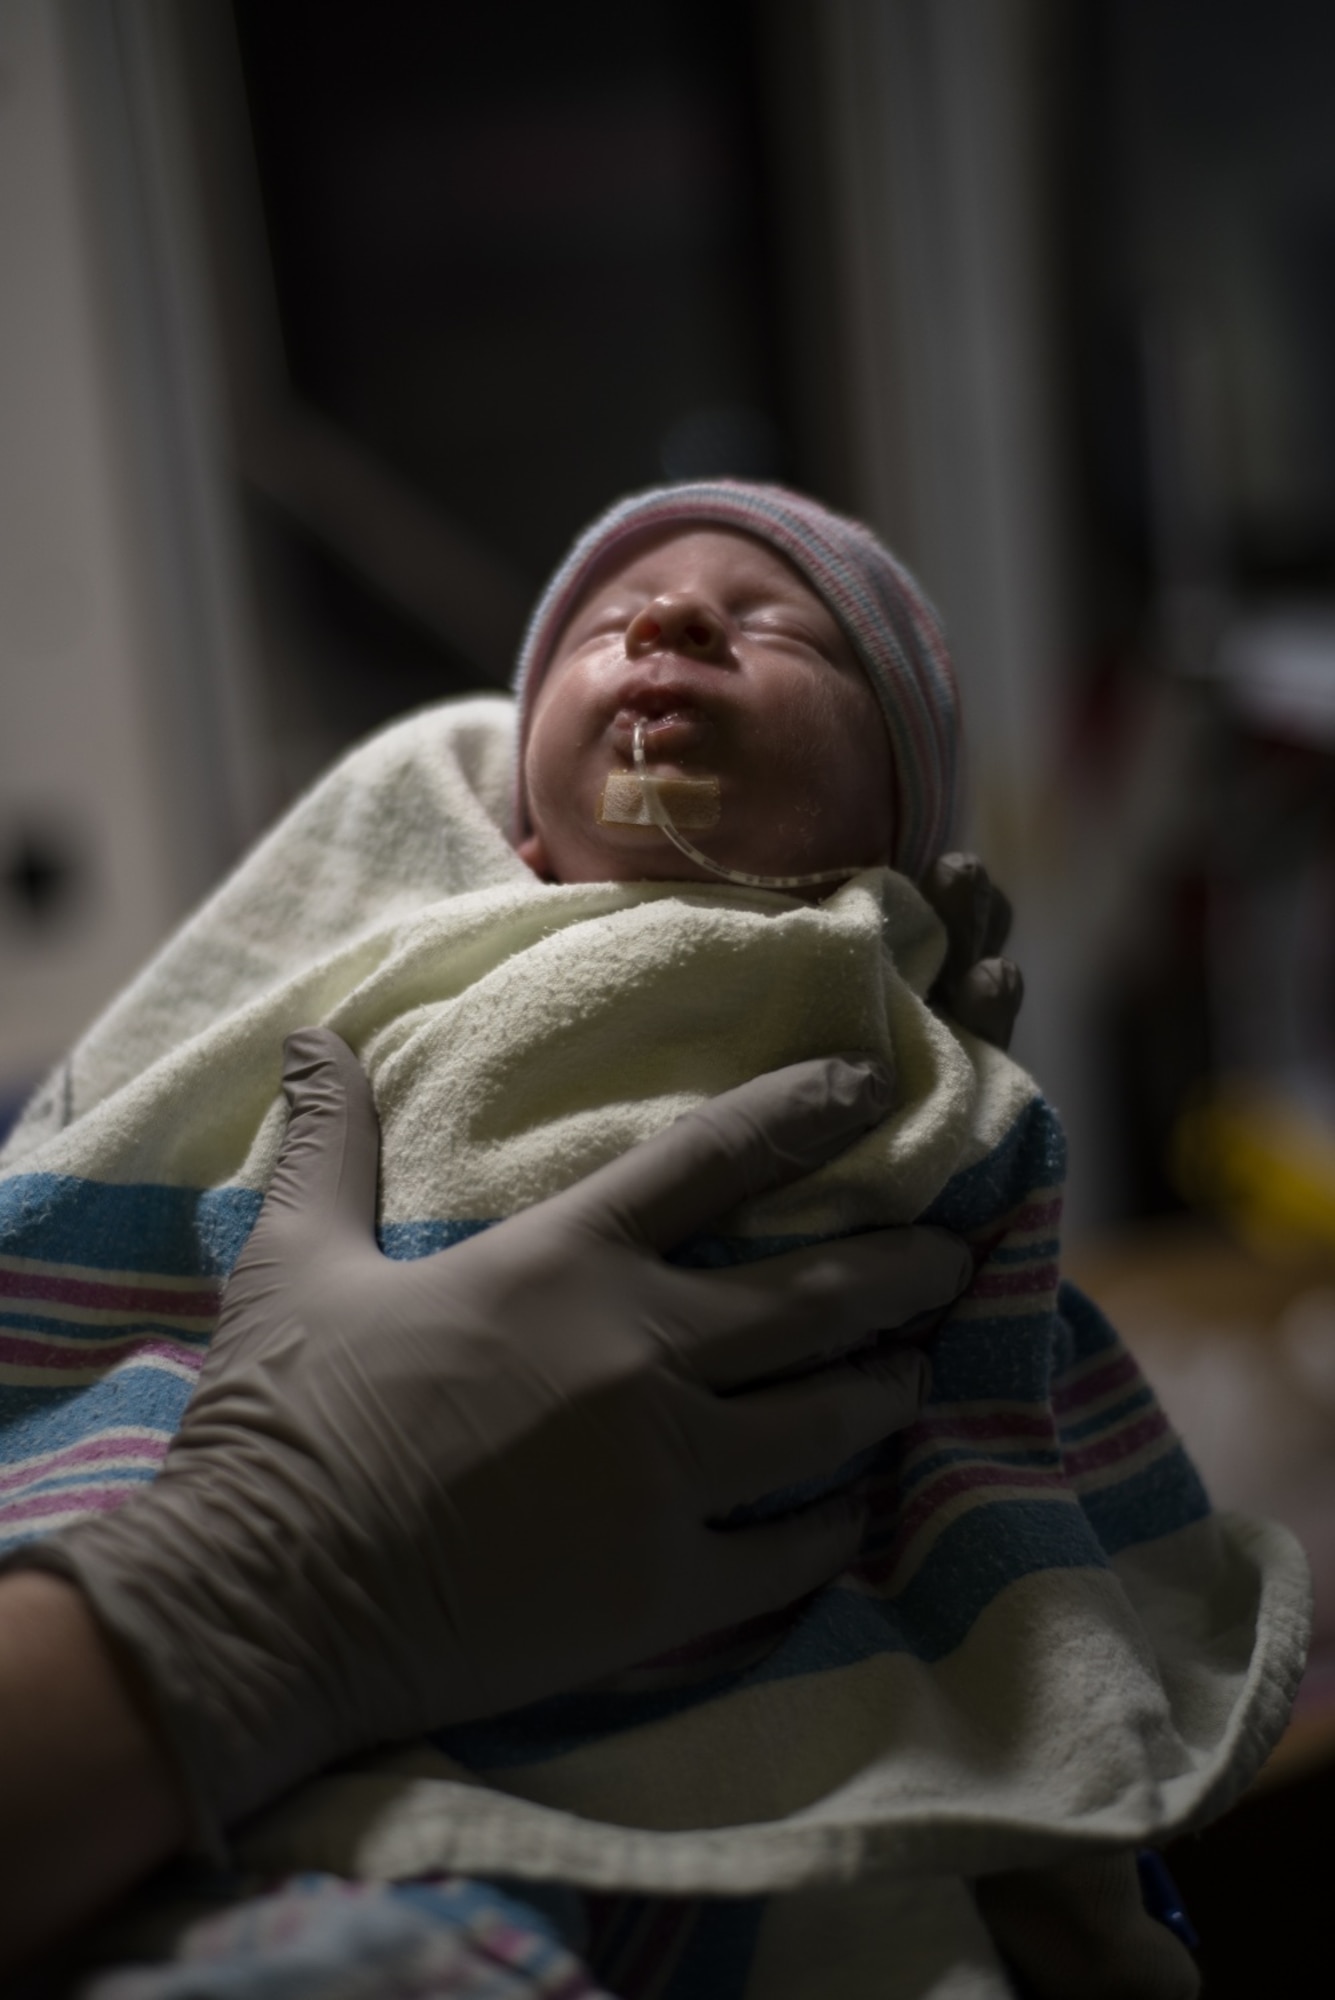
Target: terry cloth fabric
{"type": "Point", "coordinates": [1049, 1645]}
{"type": "Point", "coordinates": [893, 628]}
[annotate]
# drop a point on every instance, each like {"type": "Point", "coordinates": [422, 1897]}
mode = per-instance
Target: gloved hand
{"type": "Point", "coordinates": [977, 988]}
{"type": "Point", "coordinates": [406, 1494]}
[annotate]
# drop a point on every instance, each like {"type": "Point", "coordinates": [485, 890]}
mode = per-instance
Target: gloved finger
{"type": "Point", "coordinates": [769, 1565]}
{"type": "Point", "coordinates": [760, 1442]}
{"type": "Point", "coordinates": [802, 1309]}
{"type": "Point", "coordinates": [988, 999]}
{"type": "Point", "coordinates": [758, 1136]}
{"type": "Point", "coordinates": [997, 928]}
{"type": "Point", "coordinates": [324, 1181]}
{"type": "Point", "coordinates": [959, 889]}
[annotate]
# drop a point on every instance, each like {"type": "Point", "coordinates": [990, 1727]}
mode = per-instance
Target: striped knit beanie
{"type": "Point", "coordinates": [893, 629]}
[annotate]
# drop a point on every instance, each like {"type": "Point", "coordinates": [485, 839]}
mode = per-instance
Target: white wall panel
{"type": "Point", "coordinates": [111, 759]}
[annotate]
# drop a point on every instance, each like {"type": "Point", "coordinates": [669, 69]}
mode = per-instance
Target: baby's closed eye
{"type": "Point", "coordinates": [778, 630]}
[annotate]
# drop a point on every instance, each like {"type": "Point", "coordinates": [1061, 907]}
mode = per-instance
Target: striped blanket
{"type": "Point", "coordinates": [1049, 1643]}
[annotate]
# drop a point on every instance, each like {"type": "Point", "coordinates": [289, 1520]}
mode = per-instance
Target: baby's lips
{"type": "Point", "coordinates": [670, 733]}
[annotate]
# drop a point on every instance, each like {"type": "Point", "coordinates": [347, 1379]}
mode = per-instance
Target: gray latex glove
{"type": "Point", "coordinates": [406, 1494]}
{"type": "Point", "coordinates": [977, 988]}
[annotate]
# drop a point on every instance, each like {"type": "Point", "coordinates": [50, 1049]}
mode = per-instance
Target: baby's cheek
{"type": "Point", "coordinates": [842, 771]}
{"type": "Point", "coordinates": [551, 763]}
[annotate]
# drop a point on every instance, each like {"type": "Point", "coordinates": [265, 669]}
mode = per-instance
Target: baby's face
{"type": "Point", "coordinates": [739, 672]}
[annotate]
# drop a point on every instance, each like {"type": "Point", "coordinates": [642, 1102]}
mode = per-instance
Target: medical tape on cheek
{"type": "Point", "coordinates": [692, 802]}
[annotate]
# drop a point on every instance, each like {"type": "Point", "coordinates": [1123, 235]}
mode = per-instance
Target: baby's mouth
{"type": "Point", "coordinates": [676, 733]}
{"type": "Point", "coordinates": [654, 793]}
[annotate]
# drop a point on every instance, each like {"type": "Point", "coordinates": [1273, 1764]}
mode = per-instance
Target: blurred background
{"type": "Point", "coordinates": [324, 327]}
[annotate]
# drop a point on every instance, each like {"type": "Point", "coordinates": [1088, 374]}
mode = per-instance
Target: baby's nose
{"type": "Point", "coordinates": [683, 624]}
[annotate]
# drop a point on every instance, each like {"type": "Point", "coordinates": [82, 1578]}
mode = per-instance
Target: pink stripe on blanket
{"type": "Point", "coordinates": [950, 1485]}
{"type": "Point", "coordinates": [1010, 1282]}
{"type": "Point", "coordinates": [88, 1356]}
{"type": "Point", "coordinates": [75, 1499]}
{"type": "Point", "coordinates": [1118, 1373]}
{"type": "Point", "coordinates": [1122, 1443]}
{"type": "Point", "coordinates": [112, 1297]}
{"type": "Point", "coordinates": [92, 1451]}
{"type": "Point", "coordinates": [1035, 1215]}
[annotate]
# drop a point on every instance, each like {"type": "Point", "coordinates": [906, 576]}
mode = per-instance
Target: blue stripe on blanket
{"type": "Point", "coordinates": [44, 1420]}
{"type": "Point", "coordinates": [1031, 1154]}
{"type": "Point", "coordinates": [200, 1233]}
{"type": "Point", "coordinates": [172, 1232]}
{"type": "Point", "coordinates": [982, 1500]}
{"type": "Point", "coordinates": [1002, 1253]}
{"type": "Point", "coordinates": [95, 1333]}
{"type": "Point", "coordinates": [925, 1467]}
{"type": "Point", "coordinates": [993, 1359]}
{"type": "Point", "coordinates": [1136, 1509]}
{"type": "Point", "coordinates": [1137, 1400]}
{"type": "Point", "coordinates": [1089, 1331]}
{"type": "Point", "coordinates": [193, 1232]}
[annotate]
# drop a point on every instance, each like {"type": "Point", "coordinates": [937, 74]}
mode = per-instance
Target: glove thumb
{"type": "Point", "coordinates": [324, 1180]}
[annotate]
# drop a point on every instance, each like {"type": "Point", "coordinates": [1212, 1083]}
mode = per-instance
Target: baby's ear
{"type": "Point", "coordinates": [534, 855]}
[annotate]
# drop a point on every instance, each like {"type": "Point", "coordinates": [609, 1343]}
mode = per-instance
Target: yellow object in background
{"type": "Point", "coordinates": [1262, 1164]}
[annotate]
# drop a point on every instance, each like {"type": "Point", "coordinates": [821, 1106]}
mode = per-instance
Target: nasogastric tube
{"type": "Point", "coordinates": [662, 818]}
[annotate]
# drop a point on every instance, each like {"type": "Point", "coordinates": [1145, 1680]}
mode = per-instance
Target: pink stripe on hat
{"type": "Point", "coordinates": [893, 629]}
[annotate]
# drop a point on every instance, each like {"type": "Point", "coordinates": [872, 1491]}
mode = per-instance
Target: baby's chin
{"type": "Point", "coordinates": [577, 838]}
{"type": "Point", "coordinates": [636, 854]}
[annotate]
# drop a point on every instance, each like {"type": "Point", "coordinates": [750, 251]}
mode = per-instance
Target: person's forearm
{"type": "Point", "coordinates": [89, 1801]}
